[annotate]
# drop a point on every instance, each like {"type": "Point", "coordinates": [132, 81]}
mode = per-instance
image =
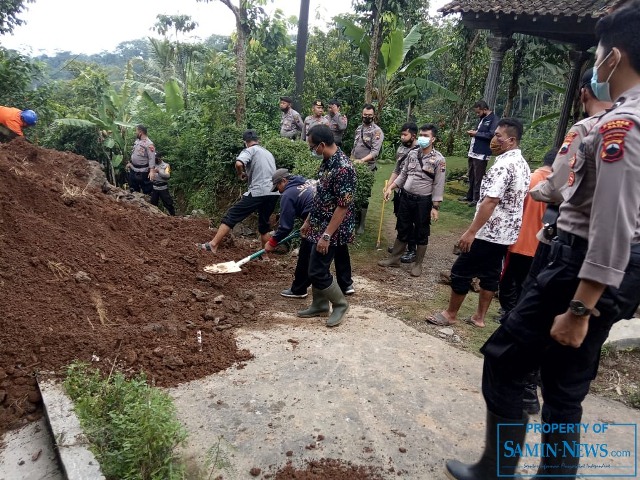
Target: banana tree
{"type": "Point", "coordinates": [112, 118]}
{"type": "Point", "coordinates": [392, 78]}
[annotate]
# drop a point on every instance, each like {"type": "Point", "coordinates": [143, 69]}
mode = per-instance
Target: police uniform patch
{"type": "Point", "coordinates": [567, 142]}
{"type": "Point", "coordinates": [572, 162]}
{"type": "Point", "coordinates": [613, 133]}
{"type": "Point", "coordinates": [572, 179]}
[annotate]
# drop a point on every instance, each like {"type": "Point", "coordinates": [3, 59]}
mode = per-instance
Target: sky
{"type": "Point", "coordinates": [88, 26]}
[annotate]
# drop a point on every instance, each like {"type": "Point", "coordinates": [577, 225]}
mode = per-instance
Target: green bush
{"type": "Point", "coordinates": [132, 427]}
{"type": "Point", "coordinates": [287, 153]}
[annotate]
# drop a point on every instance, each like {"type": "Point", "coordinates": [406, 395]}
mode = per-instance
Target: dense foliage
{"type": "Point", "coordinates": [428, 70]}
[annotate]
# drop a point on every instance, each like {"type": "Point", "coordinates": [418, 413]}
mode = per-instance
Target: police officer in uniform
{"type": "Point", "coordinates": [337, 121]}
{"type": "Point", "coordinates": [317, 118]}
{"type": "Point", "coordinates": [141, 167]}
{"type": "Point", "coordinates": [367, 145]}
{"type": "Point", "coordinates": [291, 122]}
{"type": "Point", "coordinates": [561, 322]}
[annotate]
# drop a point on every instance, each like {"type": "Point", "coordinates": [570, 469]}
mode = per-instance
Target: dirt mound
{"type": "Point", "coordinates": [87, 274]}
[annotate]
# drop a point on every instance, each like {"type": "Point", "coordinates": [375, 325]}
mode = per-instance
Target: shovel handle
{"type": "Point", "coordinates": [259, 253]}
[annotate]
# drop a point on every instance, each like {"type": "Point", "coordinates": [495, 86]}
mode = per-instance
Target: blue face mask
{"type": "Point", "coordinates": [424, 142]}
{"type": "Point", "coordinates": [602, 89]}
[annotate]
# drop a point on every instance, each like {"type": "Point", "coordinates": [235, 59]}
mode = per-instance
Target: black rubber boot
{"type": "Point", "coordinates": [339, 304]}
{"type": "Point", "coordinates": [319, 305]}
{"type": "Point", "coordinates": [487, 467]}
{"type": "Point", "coordinates": [363, 218]}
{"type": "Point", "coordinates": [396, 253]}
{"type": "Point", "coordinates": [560, 466]}
{"type": "Point", "coordinates": [410, 256]}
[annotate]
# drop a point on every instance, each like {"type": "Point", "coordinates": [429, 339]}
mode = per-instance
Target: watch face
{"type": "Point", "coordinates": [578, 308]}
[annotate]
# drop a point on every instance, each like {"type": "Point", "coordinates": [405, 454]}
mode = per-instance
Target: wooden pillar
{"type": "Point", "coordinates": [578, 59]}
{"type": "Point", "coordinates": [498, 44]}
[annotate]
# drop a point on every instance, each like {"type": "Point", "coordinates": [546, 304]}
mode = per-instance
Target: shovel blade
{"type": "Point", "coordinates": [226, 267]}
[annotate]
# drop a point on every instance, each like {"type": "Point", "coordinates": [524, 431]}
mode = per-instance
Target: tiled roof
{"type": "Point", "coordinates": [560, 8]}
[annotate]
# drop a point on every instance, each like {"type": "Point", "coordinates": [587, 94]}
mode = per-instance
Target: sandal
{"type": "Point", "coordinates": [470, 321]}
{"type": "Point", "coordinates": [440, 320]}
{"type": "Point", "coordinates": [204, 246]}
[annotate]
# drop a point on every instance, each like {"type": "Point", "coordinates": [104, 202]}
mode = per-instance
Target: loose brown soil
{"type": "Point", "coordinates": [90, 273]}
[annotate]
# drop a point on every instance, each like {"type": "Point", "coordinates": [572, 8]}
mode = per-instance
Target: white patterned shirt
{"type": "Point", "coordinates": [508, 180]}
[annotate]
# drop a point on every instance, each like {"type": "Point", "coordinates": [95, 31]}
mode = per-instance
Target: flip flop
{"type": "Point", "coordinates": [440, 320]}
{"type": "Point", "coordinates": [470, 321]}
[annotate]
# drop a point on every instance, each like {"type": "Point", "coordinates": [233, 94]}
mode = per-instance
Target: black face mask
{"type": "Point", "coordinates": [367, 120]}
{"type": "Point", "coordinates": [408, 143]}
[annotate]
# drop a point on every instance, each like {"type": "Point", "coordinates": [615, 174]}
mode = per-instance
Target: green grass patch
{"type": "Point", "coordinates": [132, 427]}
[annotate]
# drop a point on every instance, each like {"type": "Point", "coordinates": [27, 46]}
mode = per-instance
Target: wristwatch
{"type": "Point", "coordinates": [578, 308]}
{"type": "Point", "coordinates": [326, 237]}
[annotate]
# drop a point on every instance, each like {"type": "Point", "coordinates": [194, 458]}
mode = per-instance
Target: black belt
{"type": "Point", "coordinates": [411, 196]}
{"type": "Point", "coordinates": [573, 240]}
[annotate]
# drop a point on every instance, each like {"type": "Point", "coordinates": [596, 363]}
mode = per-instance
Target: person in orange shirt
{"type": "Point", "coordinates": [520, 255]}
{"type": "Point", "coordinates": [14, 119]}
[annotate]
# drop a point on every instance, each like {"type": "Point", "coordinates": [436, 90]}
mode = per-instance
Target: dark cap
{"type": "Point", "coordinates": [278, 176]}
{"type": "Point", "coordinates": [250, 135]}
{"type": "Point", "coordinates": [286, 99]}
{"type": "Point", "coordinates": [335, 102]}
{"type": "Point", "coordinates": [318, 103]}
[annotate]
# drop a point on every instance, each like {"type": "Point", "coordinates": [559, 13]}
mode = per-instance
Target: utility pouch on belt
{"type": "Point", "coordinates": [549, 221]}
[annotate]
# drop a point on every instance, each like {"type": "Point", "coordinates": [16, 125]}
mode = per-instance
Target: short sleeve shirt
{"type": "Point", "coordinates": [336, 188]}
{"type": "Point", "coordinates": [508, 180]}
{"type": "Point", "coordinates": [260, 166]}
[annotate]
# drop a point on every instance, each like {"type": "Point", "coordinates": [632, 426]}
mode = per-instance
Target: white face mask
{"type": "Point", "coordinates": [424, 142]}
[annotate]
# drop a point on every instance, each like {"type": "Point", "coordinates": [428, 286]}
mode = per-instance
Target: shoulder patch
{"type": "Point", "coordinates": [613, 133]}
{"type": "Point", "coordinates": [152, 148]}
{"type": "Point", "coordinates": [567, 142]}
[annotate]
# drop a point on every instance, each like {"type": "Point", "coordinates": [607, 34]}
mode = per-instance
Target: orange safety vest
{"type": "Point", "coordinates": [10, 118]}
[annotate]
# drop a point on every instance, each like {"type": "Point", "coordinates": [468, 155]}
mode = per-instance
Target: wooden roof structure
{"type": "Point", "coordinates": [566, 21]}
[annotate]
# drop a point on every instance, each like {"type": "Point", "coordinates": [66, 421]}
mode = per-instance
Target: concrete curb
{"type": "Point", "coordinates": [77, 461]}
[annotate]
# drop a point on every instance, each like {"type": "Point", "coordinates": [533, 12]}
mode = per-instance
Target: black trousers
{"type": "Point", "coordinates": [477, 169]}
{"type": "Point", "coordinates": [514, 274]}
{"type": "Point", "coordinates": [484, 261]}
{"type": "Point", "coordinates": [139, 181]}
{"type": "Point", "coordinates": [264, 206]}
{"type": "Point", "coordinates": [414, 218]}
{"type": "Point", "coordinates": [523, 342]}
{"type": "Point", "coordinates": [396, 204]}
{"type": "Point", "coordinates": [167, 201]}
{"type": "Point", "coordinates": [342, 264]}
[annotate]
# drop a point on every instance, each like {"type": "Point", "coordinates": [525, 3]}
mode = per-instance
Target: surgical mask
{"type": "Point", "coordinates": [602, 90]}
{"type": "Point", "coordinates": [424, 142]}
{"type": "Point", "coordinates": [315, 154]}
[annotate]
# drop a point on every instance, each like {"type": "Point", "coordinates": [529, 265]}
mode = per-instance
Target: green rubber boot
{"type": "Point", "coordinates": [319, 305]}
{"type": "Point", "coordinates": [397, 252]}
{"type": "Point", "coordinates": [339, 304]}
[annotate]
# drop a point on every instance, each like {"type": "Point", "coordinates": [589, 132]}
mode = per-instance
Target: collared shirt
{"type": "Point", "coordinates": [368, 140]}
{"type": "Point", "coordinates": [550, 191]}
{"type": "Point", "coordinates": [602, 198]}
{"type": "Point", "coordinates": [337, 124]}
{"type": "Point", "coordinates": [508, 180]}
{"type": "Point", "coordinates": [426, 177]}
{"type": "Point", "coordinates": [310, 122]}
{"type": "Point", "coordinates": [290, 124]}
{"type": "Point", "coordinates": [260, 166]}
{"type": "Point", "coordinates": [479, 148]}
{"type": "Point", "coordinates": [336, 188]}
{"type": "Point", "coordinates": [143, 155]}
{"type": "Point", "coordinates": [401, 157]}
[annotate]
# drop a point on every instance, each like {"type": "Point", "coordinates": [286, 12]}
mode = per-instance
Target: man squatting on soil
{"type": "Point", "coordinates": [562, 320]}
{"type": "Point", "coordinates": [330, 224]}
{"type": "Point", "coordinates": [296, 199]}
{"type": "Point", "coordinates": [141, 168]}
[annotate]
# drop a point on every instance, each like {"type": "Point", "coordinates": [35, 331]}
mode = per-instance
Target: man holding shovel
{"type": "Point", "coordinates": [330, 224]}
{"type": "Point", "coordinates": [256, 165]}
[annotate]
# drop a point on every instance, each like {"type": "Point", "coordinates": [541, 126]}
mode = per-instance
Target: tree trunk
{"type": "Point", "coordinates": [301, 52]}
{"type": "Point", "coordinates": [518, 66]}
{"type": "Point", "coordinates": [373, 52]}
{"type": "Point", "coordinates": [242, 27]}
{"type": "Point", "coordinates": [460, 110]}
